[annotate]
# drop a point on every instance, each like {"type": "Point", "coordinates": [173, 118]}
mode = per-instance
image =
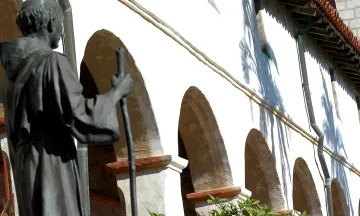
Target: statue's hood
{"type": "Point", "coordinates": [14, 52]}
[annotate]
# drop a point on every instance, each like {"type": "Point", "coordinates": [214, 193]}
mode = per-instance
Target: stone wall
{"type": "Point", "coordinates": [350, 12]}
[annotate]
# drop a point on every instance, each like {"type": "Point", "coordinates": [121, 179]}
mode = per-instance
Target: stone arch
{"type": "Point", "coordinates": [305, 197]}
{"type": "Point", "coordinates": [100, 60]}
{"type": "Point", "coordinates": [340, 206]}
{"type": "Point", "coordinates": [8, 26]}
{"type": "Point", "coordinates": [201, 143]}
{"type": "Point", "coordinates": [261, 177]}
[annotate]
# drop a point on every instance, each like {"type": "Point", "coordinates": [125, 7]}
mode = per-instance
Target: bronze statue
{"type": "Point", "coordinates": [45, 109]}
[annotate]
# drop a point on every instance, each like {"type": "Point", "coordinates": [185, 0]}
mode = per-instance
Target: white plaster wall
{"type": "Point", "coordinates": [229, 37]}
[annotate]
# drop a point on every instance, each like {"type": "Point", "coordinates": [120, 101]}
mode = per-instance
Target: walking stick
{"type": "Point", "coordinates": [129, 140]}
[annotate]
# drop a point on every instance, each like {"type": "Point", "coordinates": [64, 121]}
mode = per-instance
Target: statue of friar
{"type": "Point", "coordinates": [44, 110]}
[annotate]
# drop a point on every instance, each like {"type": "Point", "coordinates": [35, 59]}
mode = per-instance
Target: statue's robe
{"type": "Point", "coordinates": [44, 110]}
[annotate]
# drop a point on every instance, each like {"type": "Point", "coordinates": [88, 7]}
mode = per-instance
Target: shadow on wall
{"type": "Point", "coordinates": [101, 60]}
{"type": "Point", "coordinates": [335, 141]}
{"type": "Point", "coordinates": [261, 177]}
{"type": "Point", "coordinates": [264, 64]}
{"type": "Point", "coordinates": [305, 196]}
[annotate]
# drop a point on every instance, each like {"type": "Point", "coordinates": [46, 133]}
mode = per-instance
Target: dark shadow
{"type": "Point", "coordinates": [186, 181]}
{"type": "Point", "coordinates": [335, 141]}
{"type": "Point", "coordinates": [263, 62]}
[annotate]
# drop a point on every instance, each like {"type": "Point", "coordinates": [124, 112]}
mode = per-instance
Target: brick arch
{"type": "Point", "coordinates": [261, 177]}
{"type": "Point", "coordinates": [305, 197]}
{"type": "Point", "coordinates": [338, 198]}
{"type": "Point", "coordinates": [201, 143]}
{"type": "Point", "coordinates": [100, 60]}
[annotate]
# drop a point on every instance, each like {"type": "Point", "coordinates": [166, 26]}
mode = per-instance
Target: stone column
{"type": "Point", "coordinates": [158, 184]}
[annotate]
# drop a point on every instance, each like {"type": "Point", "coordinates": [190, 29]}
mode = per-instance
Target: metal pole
{"type": "Point", "coordinates": [82, 154]}
{"type": "Point", "coordinates": [129, 140]}
{"type": "Point", "coordinates": [309, 104]}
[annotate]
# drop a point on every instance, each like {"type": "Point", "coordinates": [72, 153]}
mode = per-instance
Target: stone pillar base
{"type": "Point", "coordinates": [158, 184]}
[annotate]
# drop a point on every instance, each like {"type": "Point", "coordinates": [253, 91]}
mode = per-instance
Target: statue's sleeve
{"type": "Point", "coordinates": [91, 120]}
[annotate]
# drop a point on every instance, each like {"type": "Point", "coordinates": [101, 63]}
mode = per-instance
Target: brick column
{"type": "Point", "coordinates": [350, 12]}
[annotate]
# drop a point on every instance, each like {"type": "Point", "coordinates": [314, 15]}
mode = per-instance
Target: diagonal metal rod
{"type": "Point", "coordinates": [129, 140]}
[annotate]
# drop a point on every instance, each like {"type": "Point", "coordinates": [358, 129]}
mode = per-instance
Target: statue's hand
{"type": "Point", "coordinates": [121, 86]}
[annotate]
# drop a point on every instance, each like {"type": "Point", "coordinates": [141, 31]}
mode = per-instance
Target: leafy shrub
{"type": "Point", "coordinates": [248, 207]}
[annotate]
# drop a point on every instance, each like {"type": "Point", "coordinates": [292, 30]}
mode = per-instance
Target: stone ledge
{"type": "Point", "coordinates": [122, 166]}
{"type": "Point", "coordinates": [226, 192]}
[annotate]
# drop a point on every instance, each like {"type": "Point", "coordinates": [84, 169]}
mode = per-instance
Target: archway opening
{"type": "Point", "coordinates": [100, 59]}
{"type": "Point", "coordinates": [305, 197]}
{"type": "Point", "coordinates": [186, 181]}
{"type": "Point", "coordinates": [201, 143]}
{"type": "Point", "coordinates": [97, 68]}
{"type": "Point", "coordinates": [261, 177]}
{"type": "Point", "coordinates": [338, 199]}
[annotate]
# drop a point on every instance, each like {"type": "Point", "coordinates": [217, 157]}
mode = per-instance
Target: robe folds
{"type": "Point", "coordinates": [44, 109]}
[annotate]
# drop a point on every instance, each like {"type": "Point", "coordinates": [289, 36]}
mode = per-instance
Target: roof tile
{"type": "Point", "coordinates": [335, 18]}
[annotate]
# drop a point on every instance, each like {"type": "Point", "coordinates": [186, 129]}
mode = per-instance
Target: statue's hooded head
{"type": "Point", "coordinates": [42, 19]}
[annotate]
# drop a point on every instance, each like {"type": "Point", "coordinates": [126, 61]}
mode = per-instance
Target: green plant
{"type": "Point", "coordinates": [154, 214]}
{"type": "Point", "coordinates": [249, 207]}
